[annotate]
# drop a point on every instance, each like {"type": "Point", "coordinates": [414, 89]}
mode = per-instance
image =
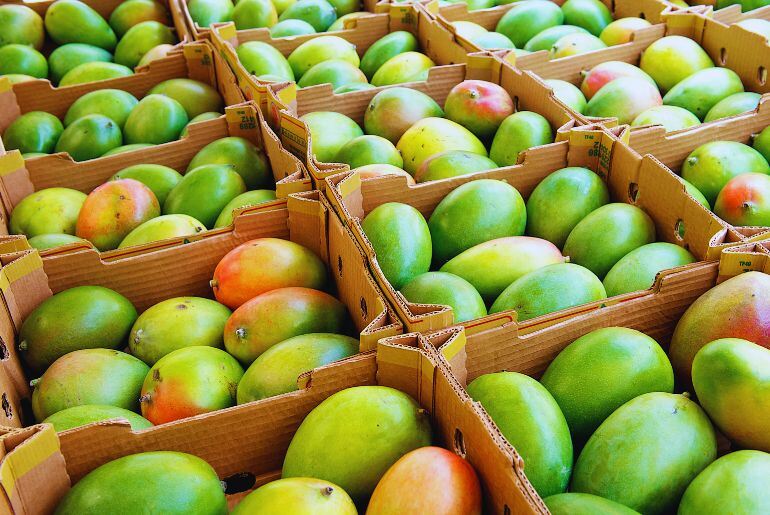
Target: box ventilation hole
{"type": "Point", "coordinates": [4, 354]}
{"type": "Point", "coordinates": [723, 56]}
{"type": "Point", "coordinates": [506, 510]}
{"type": "Point", "coordinates": [239, 482]}
{"type": "Point", "coordinates": [762, 75]}
{"type": "Point", "coordinates": [7, 407]}
{"type": "Point", "coordinates": [364, 309]}
{"type": "Point", "coordinates": [633, 192]}
{"type": "Point", "coordinates": [339, 265]}
{"type": "Point", "coordinates": [459, 443]}
{"type": "Point", "coordinates": [679, 229]}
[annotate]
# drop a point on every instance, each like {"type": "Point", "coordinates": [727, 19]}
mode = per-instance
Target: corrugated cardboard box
{"type": "Point", "coordinates": [183, 270]}
{"type": "Point", "coordinates": [643, 182]}
{"type": "Point", "coordinates": [246, 444]}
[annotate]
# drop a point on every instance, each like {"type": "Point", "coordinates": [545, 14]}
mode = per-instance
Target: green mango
{"type": "Point", "coordinates": [339, 23]}
{"type": "Point", "coordinates": [702, 90]}
{"type": "Point", "coordinates": [548, 290]}
{"type": "Point", "coordinates": [602, 370]}
{"type": "Point", "coordinates": [672, 59]}
{"type": "Point", "coordinates": [20, 24]}
{"type": "Point", "coordinates": [156, 52]}
{"type": "Point", "coordinates": [519, 132]}
{"type": "Point", "coordinates": [48, 211]}
{"type": "Point", "coordinates": [696, 194]}
{"type": "Point", "coordinates": [607, 234]}
{"type": "Point", "coordinates": [89, 137]}
{"type": "Point", "coordinates": [712, 165]}
{"type": "Point", "coordinates": [89, 376]}
{"type": "Point", "coordinates": [18, 78]}
{"type": "Point", "coordinates": [133, 12]}
{"type": "Point", "coordinates": [30, 155]}
{"type": "Point", "coordinates": [160, 179]}
{"type": "Point", "coordinates": [584, 504]}
{"type": "Point", "coordinates": [446, 289]}
{"type": "Point", "coordinates": [204, 192]}
{"type": "Point", "coordinates": [562, 200]}
{"type": "Point", "coordinates": [385, 49]}
{"type": "Point", "coordinates": [636, 271]}
{"type": "Point", "coordinates": [321, 49]}
{"type": "Point", "coordinates": [545, 39]}
{"type": "Point", "coordinates": [286, 28]}
{"type": "Point", "coordinates": [625, 99]}
{"type": "Point", "coordinates": [452, 163]}
{"type": "Point", "coordinates": [353, 86]}
{"type": "Point", "coordinates": [162, 228]}
{"type": "Point", "coordinates": [400, 238]}
{"type": "Point", "coordinates": [318, 13]}
{"type": "Point", "coordinates": [140, 39]}
{"type": "Point", "coordinates": [592, 15]}
{"type": "Point", "coordinates": [211, 115]}
{"type": "Point", "coordinates": [170, 482]}
{"type": "Point", "coordinates": [646, 453]}
{"type": "Point", "coordinates": [762, 143]}
{"type": "Point", "coordinates": [195, 96]}
{"type": "Point", "coordinates": [431, 136]}
{"type": "Point", "coordinates": [277, 370]}
{"type": "Point", "coordinates": [326, 144]}
{"type": "Point", "coordinates": [126, 148]}
{"type": "Point", "coordinates": [491, 266]}
{"type": "Point", "coordinates": [736, 103]}
{"type": "Point", "coordinates": [361, 432]}
{"type": "Point", "coordinates": [531, 421]}
{"type": "Point", "coordinates": [71, 21]}
{"type": "Point", "coordinates": [734, 483]}
{"type": "Point", "coordinates": [85, 414]}
{"type": "Point", "coordinates": [94, 71]}
{"type": "Point", "coordinates": [672, 118]}
{"type": "Point", "coordinates": [247, 160]}
{"type": "Point", "coordinates": [468, 29]}
{"type": "Point", "coordinates": [576, 44]}
{"type": "Point", "coordinates": [24, 60]}
{"type": "Point", "coordinates": [156, 119]}
{"type": "Point", "coordinates": [336, 72]}
{"type": "Point", "coordinates": [36, 131]}
{"type": "Point", "coordinates": [403, 68]}
{"type": "Point", "coordinates": [525, 20]}
{"type": "Point", "coordinates": [474, 213]}
{"type": "Point", "coordinates": [493, 40]}
{"type": "Point", "coordinates": [297, 495]}
{"type": "Point", "coordinates": [50, 241]}
{"type": "Point", "coordinates": [392, 111]}
{"type": "Point", "coordinates": [254, 14]}
{"type": "Point", "coordinates": [115, 104]}
{"type": "Point", "coordinates": [346, 7]}
{"type": "Point", "coordinates": [67, 57]}
{"type": "Point", "coordinates": [758, 26]}
{"type": "Point", "coordinates": [206, 12]}
{"type": "Point", "coordinates": [569, 94]}
{"type": "Point", "coordinates": [84, 317]}
{"type": "Point", "coordinates": [250, 198]}
{"type": "Point", "coordinates": [261, 58]}
{"type": "Point", "coordinates": [366, 150]}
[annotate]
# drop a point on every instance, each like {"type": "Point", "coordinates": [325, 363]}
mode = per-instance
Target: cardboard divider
{"type": "Point", "coordinates": [643, 182]}
{"type": "Point", "coordinates": [26, 279]}
{"type": "Point", "coordinates": [259, 433]}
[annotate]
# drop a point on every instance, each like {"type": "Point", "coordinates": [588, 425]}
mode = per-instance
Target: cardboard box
{"type": "Point", "coordinates": [651, 10]}
{"type": "Point", "coordinates": [527, 91]}
{"type": "Point", "coordinates": [643, 182]}
{"type": "Point", "coordinates": [246, 445]}
{"type": "Point", "coordinates": [183, 270]}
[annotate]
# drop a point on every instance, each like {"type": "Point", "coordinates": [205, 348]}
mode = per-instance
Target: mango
{"type": "Point", "coordinates": [204, 192]}
{"type": "Point", "coordinates": [405, 67]}
{"type": "Point", "coordinates": [451, 486]}
{"type": "Point", "coordinates": [519, 132]}
{"type": "Point", "coordinates": [366, 150]}
{"type": "Point", "coordinates": [636, 271]}
{"type": "Point", "coordinates": [281, 264]}
{"type": "Point", "coordinates": [89, 376]}
{"type": "Point", "coordinates": [737, 103]}
{"type": "Point", "coordinates": [71, 21]}
{"type": "Point", "coordinates": [48, 211]}
{"type": "Point", "coordinates": [336, 72]}
{"type": "Point", "coordinates": [545, 39]}
{"type": "Point", "coordinates": [35, 131]}
{"type": "Point", "coordinates": [85, 414]}
{"type": "Point", "coordinates": [133, 12]}
{"type": "Point", "coordinates": [247, 160]}
{"type": "Point", "coordinates": [321, 49]}
{"type": "Point", "coordinates": [50, 241]}
{"type": "Point", "coordinates": [140, 39]}
{"type": "Point", "coordinates": [575, 44]}
{"type": "Point", "coordinates": [248, 199]}
{"type": "Point", "coordinates": [711, 166]}
{"type": "Point", "coordinates": [468, 29]}
{"type": "Point", "coordinates": [762, 143]}
{"type": "Point", "coordinates": [94, 71]}
{"type": "Point", "coordinates": [392, 111]}
{"type": "Point", "coordinates": [672, 118]}
{"type": "Point", "coordinates": [18, 78]}
{"type": "Point", "coordinates": [479, 106]}
{"type": "Point", "coordinates": [253, 14]}
{"type": "Point", "coordinates": [431, 136]}
{"type": "Point", "coordinates": [339, 23]}
{"type": "Point", "coordinates": [361, 432]}
{"type": "Point", "coordinates": [602, 370]}
{"type": "Point", "coordinates": [531, 421]}
{"type": "Point", "coordinates": [20, 24]}
{"type": "Point", "coordinates": [584, 504]}
{"type": "Point", "coordinates": [604, 73]}
{"type": "Point", "coordinates": [735, 482]}
{"type": "Point", "coordinates": [156, 119]}
{"type": "Point", "coordinates": [210, 115]}
{"type": "Point", "coordinates": [260, 58]}
{"type": "Point", "coordinates": [592, 15]}
{"type": "Point", "coordinates": [758, 26]}
{"type": "Point", "coordinates": [276, 370]}
{"type": "Point", "coordinates": [622, 30]}
{"type": "Point", "coordinates": [286, 28]}
{"type": "Point", "coordinates": [385, 49]}
{"type": "Point", "coordinates": [318, 13]}
{"type": "Point", "coordinates": [442, 288]}
{"type": "Point", "coordinates": [326, 144]}
{"type": "Point", "coordinates": [162, 228]}
{"type": "Point", "coordinates": [378, 170]}
{"type": "Point", "coordinates": [646, 453]}
{"type": "Point", "coordinates": [22, 59]}
{"type": "Point", "coordinates": [493, 40]}
{"type": "Point", "coordinates": [188, 382]}
{"type": "Point", "coordinates": [527, 19]}
{"type": "Point", "coordinates": [607, 234]}
{"type": "Point", "coordinates": [672, 59]}
{"type": "Point", "coordinates": [160, 179]}
{"type": "Point", "coordinates": [346, 7]}
{"type": "Point", "coordinates": [401, 240]}
{"type": "Point", "coordinates": [115, 104]}
{"type": "Point", "coordinates": [569, 94]}
{"type": "Point", "coordinates": [156, 52]}
{"type": "Point", "coordinates": [624, 98]}
{"type": "Point", "coordinates": [732, 386]}
{"type": "Point", "coordinates": [702, 90]}
{"type": "Point", "coordinates": [561, 201]}
{"type": "Point", "coordinates": [171, 482]}
{"type": "Point", "coordinates": [126, 148]}
{"type": "Point", "coordinates": [696, 194]}
{"type": "Point", "coordinates": [297, 495]}
{"type": "Point", "coordinates": [452, 163]}
{"type": "Point", "coordinates": [206, 12]}
{"type": "Point", "coordinates": [745, 200]}
{"type": "Point", "coordinates": [194, 96]}
{"type": "Point", "coordinates": [89, 137]}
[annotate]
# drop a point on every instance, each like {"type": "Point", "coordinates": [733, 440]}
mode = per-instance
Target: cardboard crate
{"type": "Point", "coordinates": [38, 467]}
{"type": "Point", "coordinates": [651, 10]}
{"type": "Point", "coordinates": [174, 271]}
{"type": "Point", "coordinates": [643, 182]}
{"type": "Point", "coordinates": [527, 91]}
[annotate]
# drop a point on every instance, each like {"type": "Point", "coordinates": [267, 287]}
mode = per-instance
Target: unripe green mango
{"type": "Point", "coordinates": [592, 15]}
{"type": "Point", "coordinates": [636, 271]}
{"type": "Point", "coordinates": [115, 104]}
{"type": "Point", "coordinates": [36, 131]}
{"type": "Point", "coordinates": [736, 103]}
{"type": "Point", "coordinates": [133, 12]}
{"type": "Point", "coordinates": [431, 136]}
{"type": "Point", "coordinates": [24, 60]}
{"type": "Point", "coordinates": [84, 414]}
{"type": "Point", "coordinates": [584, 504]}
{"type": "Point", "coordinates": [404, 67]}
{"type": "Point", "coordinates": [71, 55]}
{"type": "Point", "coordinates": [527, 19]}
{"type": "Point", "coordinates": [446, 289]}
{"type": "Point", "coordinates": [672, 59]}
{"type": "Point", "coordinates": [49, 241]}
{"type": "Point", "coordinates": [336, 72]}
{"type": "Point", "coordinates": [326, 144]}
{"type": "Point", "coordinates": [94, 71]}
{"type": "Point", "coordinates": [452, 163]}
{"type": "Point", "coordinates": [89, 137]}
{"type": "Point", "coordinates": [702, 90]}
{"type": "Point", "coordinates": [248, 160]}
{"type": "Point", "coordinates": [71, 21]}
{"type": "Point", "coordinates": [162, 228]}
{"type": "Point", "coordinates": [195, 96]}
{"type": "Point", "coordinates": [250, 198]}
{"type": "Point", "coordinates": [156, 119]}
{"type": "Point", "coordinates": [386, 48]}
{"type": "Point", "coordinates": [160, 179]}
{"type": "Point", "coordinates": [20, 24]}
{"type": "Point", "coordinates": [48, 211]}
{"type": "Point", "coordinates": [519, 132]}
{"type": "Point", "coordinates": [672, 118]}
{"type": "Point", "coordinates": [206, 12]}
{"type": "Point", "coordinates": [297, 495]}
{"type": "Point", "coordinates": [254, 14]}
{"type": "Point", "coordinates": [204, 192]}
{"type": "Point", "coordinates": [545, 39]}
{"type": "Point", "coordinates": [318, 13]}
{"type": "Point", "coordinates": [260, 59]}
{"type": "Point", "coordinates": [321, 49]}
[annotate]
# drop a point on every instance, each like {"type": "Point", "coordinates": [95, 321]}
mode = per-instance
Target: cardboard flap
{"type": "Point", "coordinates": [403, 365]}
{"type": "Point", "coordinates": [745, 258]}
